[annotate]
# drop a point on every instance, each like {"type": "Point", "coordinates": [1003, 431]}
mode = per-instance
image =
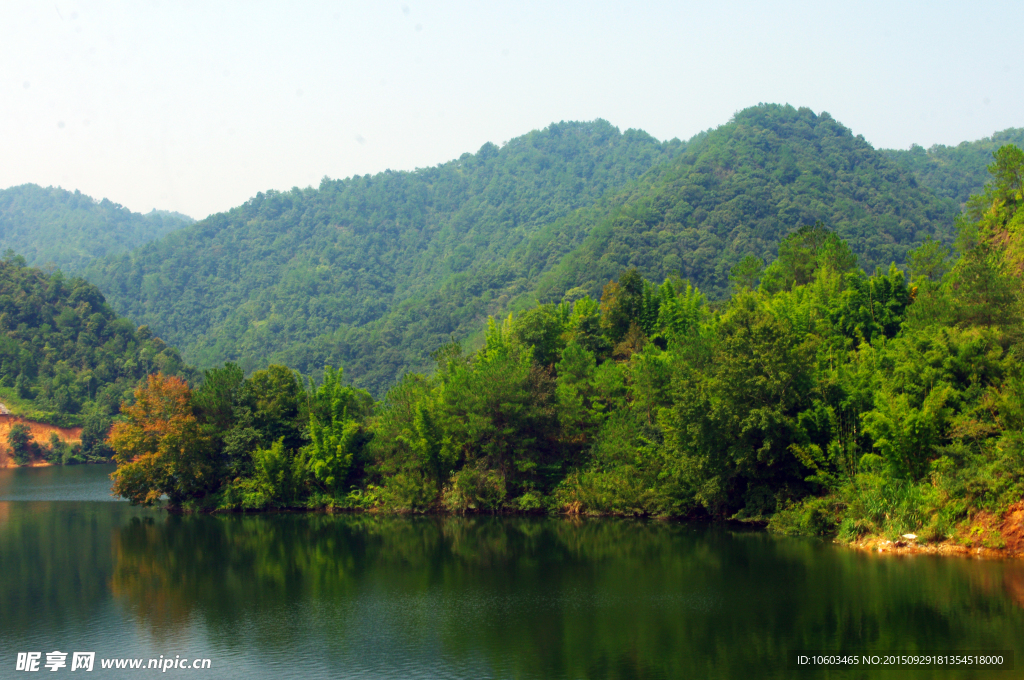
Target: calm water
{"type": "Point", "coordinates": [306, 596]}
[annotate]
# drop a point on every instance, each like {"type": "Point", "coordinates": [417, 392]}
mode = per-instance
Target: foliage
{"type": "Point", "coordinates": [374, 273]}
{"type": "Point", "coordinates": [335, 432]}
{"type": "Point", "coordinates": [955, 172]}
{"type": "Point", "coordinates": [64, 354]}
{"type": "Point", "coordinates": [20, 441]}
{"type": "Point", "coordinates": [159, 447]}
{"type": "Point", "coordinates": [341, 274]}
{"type": "Point", "coordinates": [819, 398]}
{"type": "Point", "coordinates": [57, 228]}
{"type": "Point", "coordinates": [737, 191]}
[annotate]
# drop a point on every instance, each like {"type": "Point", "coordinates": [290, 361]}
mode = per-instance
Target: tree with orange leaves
{"type": "Point", "coordinates": [159, 448]}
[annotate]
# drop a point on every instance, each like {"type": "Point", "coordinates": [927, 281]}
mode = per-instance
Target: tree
{"type": "Point", "coordinates": [215, 399]}
{"type": "Point", "coordinates": [732, 423]}
{"type": "Point", "coordinates": [745, 274]}
{"type": "Point", "coordinates": [622, 304]}
{"type": "Point", "coordinates": [498, 420]}
{"type": "Point", "coordinates": [929, 261]}
{"type": "Point", "coordinates": [159, 448]}
{"type": "Point", "coordinates": [94, 437]}
{"type": "Point", "coordinates": [335, 433]}
{"type": "Point", "coordinates": [543, 327]}
{"type": "Point", "coordinates": [59, 451]}
{"type": "Point", "coordinates": [275, 400]}
{"type": "Point", "coordinates": [803, 253]}
{"type": "Point", "coordinates": [20, 441]}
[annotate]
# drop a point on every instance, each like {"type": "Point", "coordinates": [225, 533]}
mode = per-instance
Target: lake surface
{"type": "Point", "coordinates": [358, 596]}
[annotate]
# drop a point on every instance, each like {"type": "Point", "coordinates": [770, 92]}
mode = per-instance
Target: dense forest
{"type": "Point", "coordinates": [817, 397]}
{"type": "Point", "coordinates": [299, 276]}
{"type": "Point", "coordinates": [959, 171]}
{"type": "Point", "coordinates": [736, 191]}
{"type": "Point", "coordinates": [58, 228]}
{"type": "Point", "coordinates": [373, 273]}
{"type": "Point", "coordinates": [66, 358]}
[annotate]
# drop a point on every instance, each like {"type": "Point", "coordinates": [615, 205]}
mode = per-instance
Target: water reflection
{"type": "Point", "coordinates": [57, 483]}
{"type": "Point", "coordinates": [549, 598]}
{"type": "Point", "coordinates": [294, 595]}
{"type": "Point", "coordinates": [55, 560]}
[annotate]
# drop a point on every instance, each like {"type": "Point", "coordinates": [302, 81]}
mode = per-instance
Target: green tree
{"type": "Point", "coordinates": [543, 328]}
{"type": "Point", "coordinates": [274, 400]}
{"type": "Point", "coordinates": [59, 452]}
{"type": "Point", "coordinates": [745, 274]}
{"type": "Point", "coordinates": [803, 253]}
{"type": "Point", "coordinates": [622, 304]}
{"type": "Point", "coordinates": [929, 261]}
{"type": "Point", "coordinates": [499, 420]}
{"type": "Point", "coordinates": [20, 440]}
{"type": "Point", "coordinates": [94, 437]}
{"type": "Point", "coordinates": [335, 433]}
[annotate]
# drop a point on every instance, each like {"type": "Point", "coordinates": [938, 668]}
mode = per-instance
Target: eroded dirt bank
{"type": "Point", "coordinates": [40, 435]}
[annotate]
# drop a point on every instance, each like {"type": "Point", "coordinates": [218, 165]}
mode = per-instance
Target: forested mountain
{"type": "Point", "coordinates": [374, 273]}
{"type": "Point", "coordinates": [817, 397]}
{"type": "Point", "coordinates": [65, 357]}
{"type": "Point", "coordinates": [67, 230]}
{"type": "Point", "coordinates": [955, 171]}
{"type": "Point", "coordinates": [303, 276]}
{"type": "Point", "coordinates": [738, 191]}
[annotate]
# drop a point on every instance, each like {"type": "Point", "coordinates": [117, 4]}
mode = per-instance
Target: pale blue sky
{"type": "Point", "coordinates": [196, 106]}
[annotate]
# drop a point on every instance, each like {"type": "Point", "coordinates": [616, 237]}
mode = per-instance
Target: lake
{"type": "Point", "coordinates": [360, 596]}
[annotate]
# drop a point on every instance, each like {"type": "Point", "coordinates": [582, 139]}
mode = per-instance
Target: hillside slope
{"type": "Point", "coordinates": [65, 229]}
{"type": "Point", "coordinates": [288, 268]}
{"type": "Point", "coordinates": [739, 190]}
{"type": "Point", "coordinates": [64, 354]}
{"type": "Point", "coordinates": [959, 171]}
{"type": "Point", "coordinates": [377, 272]}
{"type": "Point", "coordinates": [39, 434]}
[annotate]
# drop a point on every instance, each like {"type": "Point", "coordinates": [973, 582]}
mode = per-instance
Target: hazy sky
{"type": "Point", "coordinates": [196, 106]}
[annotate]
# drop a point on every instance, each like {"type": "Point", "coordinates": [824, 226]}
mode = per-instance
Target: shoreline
{"type": "Point", "coordinates": [875, 545]}
{"type": "Point", "coordinates": [46, 463]}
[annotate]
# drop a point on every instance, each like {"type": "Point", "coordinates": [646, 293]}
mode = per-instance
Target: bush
{"type": "Point", "coordinates": [810, 517]}
{"type": "Point", "coordinates": [475, 489]}
{"type": "Point", "coordinates": [20, 441]}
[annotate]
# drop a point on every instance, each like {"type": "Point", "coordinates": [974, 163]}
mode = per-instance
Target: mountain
{"type": "Point", "coordinates": [65, 229]}
{"type": "Point", "coordinates": [376, 272]}
{"type": "Point", "coordinates": [734, 191]}
{"type": "Point", "coordinates": [959, 171]}
{"type": "Point", "coordinates": [301, 276]}
{"type": "Point", "coordinates": [64, 354]}
{"type": "Point", "coordinates": [739, 190]}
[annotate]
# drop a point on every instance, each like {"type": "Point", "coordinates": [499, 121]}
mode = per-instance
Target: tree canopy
{"type": "Point", "coordinates": [374, 272]}
{"type": "Point", "coordinates": [58, 228]}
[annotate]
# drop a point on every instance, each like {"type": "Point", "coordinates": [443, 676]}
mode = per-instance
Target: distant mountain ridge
{"type": "Point", "coordinates": [68, 229]}
{"type": "Point", "coordinates": [959, 171]}
{"type": "Point", "coordinates": [375, 272]}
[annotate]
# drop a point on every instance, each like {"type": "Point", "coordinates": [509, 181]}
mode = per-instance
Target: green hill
{"type": "Point", "coordinates": [303, 276]}
{"type": "Point", "coordinates": [739, 190]}
{"type": "Point", "coordinates": [65, 357]}
{"type": "Point", "coordinates": [67, 230]}
{"type": "Point", "coordinates": [955, 171]}
{"type": "Point", "coordinates": [733, 191]}
{"type": "Point", "coordinates": [376, 272]}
